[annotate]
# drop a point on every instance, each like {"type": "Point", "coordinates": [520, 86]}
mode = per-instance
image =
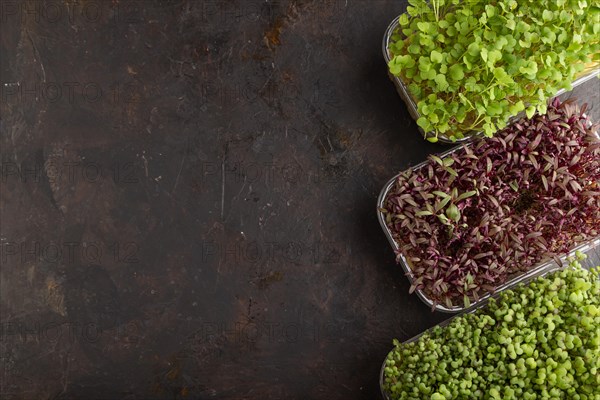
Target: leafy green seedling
{"type": "Point", "coordinates": [485, 62]}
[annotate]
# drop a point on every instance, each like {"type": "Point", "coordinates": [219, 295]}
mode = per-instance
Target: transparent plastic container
{"type": "Point", "coordinates": [404, 93]}
{"type": "Point", "coordinates": [548, 268]}
{"type": "Point", "coordinates": [406, 264]}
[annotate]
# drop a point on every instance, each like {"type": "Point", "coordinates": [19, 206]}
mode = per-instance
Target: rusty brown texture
{"type": "Point", "coordinates": [188, 199]}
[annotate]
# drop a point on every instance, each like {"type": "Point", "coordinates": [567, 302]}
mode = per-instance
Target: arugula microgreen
{"type": "Point", "coordinates": [471, 65]}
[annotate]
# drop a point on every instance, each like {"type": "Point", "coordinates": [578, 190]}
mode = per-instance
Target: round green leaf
{"type": "Point", "coordinates": [456, 72]}
{"type": "Point", "coordinates": [440, 79]}
{"type": "Point", "coordinates": [403, 20]}
{"type": "Point", "coordinates": [547, 15]}
{"type": "Point", "coordinates": [424, 123]}
{"type": "Point", "coordinates": [436, 56]}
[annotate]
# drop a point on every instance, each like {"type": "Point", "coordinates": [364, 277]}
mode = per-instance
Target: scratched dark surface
{"type": "Point", "coordinates": [188, 199]}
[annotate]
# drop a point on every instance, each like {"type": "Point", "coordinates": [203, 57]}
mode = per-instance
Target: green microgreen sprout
{"type": "Point", "coordinates": [536, 341]}
{"type": "Point", "coordinates": [472, 65]}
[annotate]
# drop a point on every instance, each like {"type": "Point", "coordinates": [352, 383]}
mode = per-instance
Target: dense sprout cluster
{"type": "Point", "coordinates": [470, 65]}
{"type": "Point", "coordinates": [470, 221]}
{"type": "Point", "coordinates": [540, 341]}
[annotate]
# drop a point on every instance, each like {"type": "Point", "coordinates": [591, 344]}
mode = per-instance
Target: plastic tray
{"type": "Point", "coordinates": [551, 267]}
{"type": "Point", "coordinates": [406, 264]}
{"type": "Point", "coordinates": [402, 89]}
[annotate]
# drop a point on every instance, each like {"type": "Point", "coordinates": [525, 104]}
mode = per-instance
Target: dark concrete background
{"type": "Point", "coordinates": [188, 199]}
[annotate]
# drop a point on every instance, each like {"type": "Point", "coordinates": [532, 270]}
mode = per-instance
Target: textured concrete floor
{"type": "Point", "coordinates": [188, 199]}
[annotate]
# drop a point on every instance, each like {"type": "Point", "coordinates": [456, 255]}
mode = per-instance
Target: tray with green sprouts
{"type": "Point", "coordinates": [466, 68]}
{"type": "Point", "coordinates": [538, 340]}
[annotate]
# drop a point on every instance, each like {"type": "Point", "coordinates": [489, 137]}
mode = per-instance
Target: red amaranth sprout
{"type": "Point", "coordinates": [488, 211]}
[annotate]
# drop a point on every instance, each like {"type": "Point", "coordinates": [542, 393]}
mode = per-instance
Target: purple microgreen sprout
{"type": "Point", "coordinates": [498, 207]}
